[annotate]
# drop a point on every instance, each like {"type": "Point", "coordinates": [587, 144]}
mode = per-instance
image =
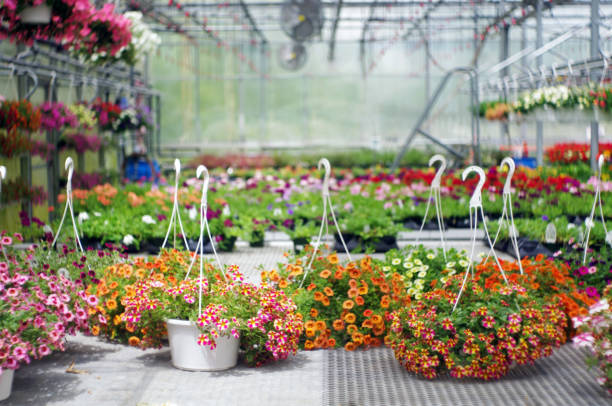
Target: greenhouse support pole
{"type": "Point", "coordinates": [539, 124]}
{"type": "Point", "coordinates": [595, 54]}
{"type": "Point", "coordinates": [503, 55]}
{"type": "Point", "coordinates": [262, 91]}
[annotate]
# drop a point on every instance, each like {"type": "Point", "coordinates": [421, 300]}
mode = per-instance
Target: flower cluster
{"type": "Point", "coordinates": [596, 334]}
{"type": "Point", "coordinates": [343, 305]}
{"type": "Point", "coordinates": [16, 190]}
{"type": "Point", "coordinates": [19, 115]}
{"type": "Point", "coordinates": [106, 36]}
{"type": "Point", "coordinates": [422, 269]}
{"type": "Point", "coordinates": [106, 113]}
{"type": "Point", "coordinates": [144, 41]}
{"type": "Point", "coordinates": [570, 152]}
{"type": "Point", "coordinates": [487, 332]}
{"type": "Point", "coordinates": [39, 305]}
{"type": "Point", "coordinates": [262, 317]}
{"type": "Point", "coordinates": [56, 116]}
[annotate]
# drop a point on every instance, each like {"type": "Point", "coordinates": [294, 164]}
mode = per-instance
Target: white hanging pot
{"type": "Point", "coordinates": [40, 14]}
{"type": "Point", "coordinates": [189, 355]}
{"type": "Point", "coordinates": [6, 383]}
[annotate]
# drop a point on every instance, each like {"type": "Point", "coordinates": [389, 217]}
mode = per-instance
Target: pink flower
{"type": "Point", "coordinates": [43, 350]}
{"type": "Point", "coordinates": [6, 240]}
{"type": "Point", "coordinates": [92, 301]}
{"type": "Point", "coordinates": [584, 340]}
{"type": "Point", "coordinates": [20, 353]}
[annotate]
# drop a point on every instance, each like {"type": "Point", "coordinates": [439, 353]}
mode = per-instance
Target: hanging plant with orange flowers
{"type": "Point", "coordinates": [343, 304]}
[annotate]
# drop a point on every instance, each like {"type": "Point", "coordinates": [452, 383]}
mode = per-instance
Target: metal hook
{"type": "Point", "coordinates": [202, 169]}
{"type": "Point", "coordinates": [600, 162]}
{"type": "Point", "coordinates": [570, 70]}
{"type": "Point", "coordinates": [52, 81]}
{"type": "Point", "coordinates": [476, 199]}
{"type": "Point", "coordinates": [325, 163]}
{"type": "Point", "coordinates": [34, 77]}
{"type": "Point", "coordinates": [435, 183]}
{"type": "Point", "coordinates": [511, 168]}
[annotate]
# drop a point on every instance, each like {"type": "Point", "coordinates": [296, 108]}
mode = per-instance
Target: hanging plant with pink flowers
{"type": "Point", "coordinates": [68, 19]}
{"type": "Point", "coordinates": [38, 307]}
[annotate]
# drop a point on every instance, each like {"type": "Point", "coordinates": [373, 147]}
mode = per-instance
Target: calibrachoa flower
{"type": "Point", "coordinates": [342, 304]}
{"type": "Point", "coordinates": [476, 341]}
{"type": "Point", "coordinates": [38, 307]}
{"type": "Point", "coordinates": [262, 317]}
{"type": "Point", "coordinates": [595, 333]}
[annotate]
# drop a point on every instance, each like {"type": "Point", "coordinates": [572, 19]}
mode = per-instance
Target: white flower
{"type": "Point", "coordinates": [589, 223]}
{"type": "Point", "coordinates": [425, 268]}
{"type": "Point", "coordinates": [408, 265]}
{"type": "Point", "coordinates": [418, 262]}
{"type": "Point", "coordinates": [417, 296]}
{"type": "Point", "coordinates": [450, 264]}
{"type": "Point", "coordinates": [570, 226]}
{"type": "Point", "coordinates": [148, 219]}
{"type": "Point", "coordinates": [411, 291]}
{"type": "Point", "coordinates": [97, 214]}
{"type": "Point", "coordinates": [396, 261]}
{"type": "Point", "coordinates": [430, 256]}
{"type": "Point", "coordinates": [277, 212]}
{"type": "Point", "coordinates": [463, 263]}
{"type": "Point", "coordinates": [193, 213]}
{"type": "Point", "coordinates": [128, 240]}
{"type": "Point", "coordinates": [422, 274]}
{"type": "Point", "coordinates": [599, 306]}
{"type": "Point", "coordinates": [82, 217]}
{"type": "Point", "coordinates": [226, 211]}
{"type": "Point", "coordinates": [386, 269]}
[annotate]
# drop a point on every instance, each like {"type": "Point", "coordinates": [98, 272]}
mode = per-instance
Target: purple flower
{"type": "Point", "coordinates": [545, 217]}
{"type": "Point", "coordinates": [161, 217]}
{"type": "Point", "coordinates": [591, 291]}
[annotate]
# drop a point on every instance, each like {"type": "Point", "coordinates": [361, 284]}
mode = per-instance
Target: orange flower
{"type": "Point", "coordinates": [318, 296]}
{"type": "Point", "coordinates": [134, 341]}
{"type": "Point", "coordinates": [367, 340]}
{"type": "Point", "coordinates": [365, 262]}
{"type": "Point", "coordinates": [353, 283]}
{"type": "Point", "coordinates": [378, 331]}
{"type": "Point", "coordinates": [326, 273]}
{"type": "Point", "coordinates": [338, 325]}
{"type": "Point", "coordinates": [310, 324]}
{"type": "Point", "coordinates": [331, 343]}
{"type": "Point", "coordinates": [308, 345]}
{"type": "Point", "coordinates": [363, 289]}
{"type": "Point", "coordinates": [311, 287]}
{"type": "Point", "coordinates": [367, 312]}
{"type": "Point", "coordinates": [351, 329]}
{"type": "Point", "coordinates": [111, 304]}
{"type": "Point", "coordinates": [367, 324]}
{"type": "Point", "coordinates": [354, 273]}
{"type": "Point", "coordinates": [113, 285]}
{"type": "Point", "coordinates": [359, 300]}
{"type": "Point", "coordinates": [314, 313]}
{"type": "Point", "coordinates": [349, 346]}
{"type": "Point", "coordinates": [352, 293]}
{"type": "Point", "coordinates": [384, 288]}
{"type": "Point", "coordinates": [377, 319]}
{"type": "Point", "coordinates": [385, 301]}
{"type": "Point", "coordinates": [338, 275]}
{"type": "Point", "coordinates": [350, 318]}
{"type": "Point", "coordinates": [325, 301]}
{"type": "Point", "coordinates": [319, 342]}
{"type": "Point", "coordinates": [333, 259]}
{"type": "Point", "coordinates": [95, 330]}
{"type": "Point", "coordinates": [357, 338]}
{"type": "Point", "coordinates": [320, 325]}
{"type": "Point", "coordinates": [283, 284]}
{"type": "Point", "coordinates": [328, 291]}
{"type": "Point", "coordinates": [310, 332]}
{"type": "Point", "coordinates": [348, 304]}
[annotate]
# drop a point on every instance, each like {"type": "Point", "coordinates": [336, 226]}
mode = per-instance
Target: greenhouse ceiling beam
{"type": "Point", "coordinates": [249, 17]}
{"type": "Point", "coordinates": [332, 39]}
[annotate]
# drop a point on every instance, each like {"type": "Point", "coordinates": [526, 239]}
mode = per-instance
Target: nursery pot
{"type": "Point", "coordinates": [40, 14]}
{"type": "Point", "coordinates": [6, 383]}
{"type": "Point", "coordinates": [187, 354]}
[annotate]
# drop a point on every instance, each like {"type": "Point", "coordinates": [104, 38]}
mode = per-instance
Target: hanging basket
{"type": "Point", "coordinates": [187, 354]}
{"type": "Point", "coordinates": [40, 14]}
{"type": "Point", "coordinates": [6, 383]}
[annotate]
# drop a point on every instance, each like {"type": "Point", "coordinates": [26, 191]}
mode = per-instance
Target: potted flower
{"type": "Point", "coordinates": [596, 334]}
{"type": "Point", "coordinates": [487, 332]}
{"type": "Point", "coordinates": [39, 306]}
{"type": "Point", "coordinates": [233, 314]}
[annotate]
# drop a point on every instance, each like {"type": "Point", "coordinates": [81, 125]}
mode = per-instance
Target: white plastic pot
{"type": "Point", "coordinates": [6, 383]}
{"type": "Point", "coordinates": [189, 355]}
{"type": "Point", "coordinates": [40, 14]}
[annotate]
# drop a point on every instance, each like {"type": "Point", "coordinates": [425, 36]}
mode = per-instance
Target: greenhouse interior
{"type": "Point", "coordinates": [305, 202]}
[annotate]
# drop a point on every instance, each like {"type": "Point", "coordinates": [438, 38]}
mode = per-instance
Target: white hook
{"type": "Point", "coordinates": [2, 172]}
{"type": "Point", "coordinates": [476, 200]}
{"type": "Point", "coordinates": [69, 165]}
{"type": "Point", "coordinates": [202, 169]}
{"type": "Point", "coordinates": [511, 168]}
{"type": "Point", "coordinates": [325, 163]}
{"type": "Point", "coordinates": [438, 178]}
{"type": "Point", "coordinates": [600, 162]}
{"type": "Point", "coordinates": [53, 77]}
